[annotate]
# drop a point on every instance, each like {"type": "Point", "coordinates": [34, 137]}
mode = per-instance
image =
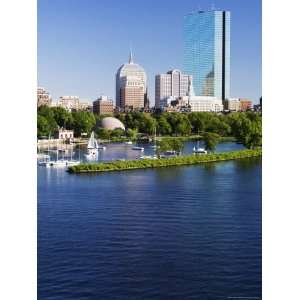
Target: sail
{"type": "Point", "coordinates": [96, 144]}
{"type": "Point", "coordinates": [91, 143]}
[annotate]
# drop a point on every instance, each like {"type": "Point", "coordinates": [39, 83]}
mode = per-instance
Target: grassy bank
{"type": "Point", "coordinates": [167, 162]}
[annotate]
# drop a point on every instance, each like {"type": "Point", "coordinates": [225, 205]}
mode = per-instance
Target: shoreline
{"type": "Point", "coordinates": [161, 163]}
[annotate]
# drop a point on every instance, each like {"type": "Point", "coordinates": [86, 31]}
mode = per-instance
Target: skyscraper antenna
{"type": "Point", "coordinates": [213, 6]}
{"type": "Point", "coordinates": [130, 55]}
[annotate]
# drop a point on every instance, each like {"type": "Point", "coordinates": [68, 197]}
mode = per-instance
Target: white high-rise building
{"type": "Point", "coordinates": [172, 84]}
{"type": "Point", "coordinates": [131, 85]}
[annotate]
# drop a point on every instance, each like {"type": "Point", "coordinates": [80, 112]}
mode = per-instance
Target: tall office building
{"type": "Point", "coordinates": [131, 86]}
{"type": "Point", "coordinates": [172, 84]}
{"type": "Point", "coordinates": [207, 52]}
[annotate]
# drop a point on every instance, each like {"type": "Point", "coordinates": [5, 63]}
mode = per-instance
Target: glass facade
{"type": "Point", "coordinates": [207, 52]}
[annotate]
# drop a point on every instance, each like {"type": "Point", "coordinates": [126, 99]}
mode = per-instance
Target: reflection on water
{"type": "Point", "coordinates": [190, 232]}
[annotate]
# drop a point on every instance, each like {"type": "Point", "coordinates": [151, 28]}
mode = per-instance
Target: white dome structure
{"type": "Point", "coordinates": [111, 123]}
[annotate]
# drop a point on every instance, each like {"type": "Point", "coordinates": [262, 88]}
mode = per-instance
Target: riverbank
{"type": "Point", "coordinates": [159, 163]}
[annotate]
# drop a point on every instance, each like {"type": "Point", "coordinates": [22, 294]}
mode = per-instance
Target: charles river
{"type": "Point", "coordinates": [190, 232]}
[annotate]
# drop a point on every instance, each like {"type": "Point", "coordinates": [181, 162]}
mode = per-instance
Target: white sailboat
{"type": "Point", "coordinates": [72, 162]}
{"type": "Point", "coordinates": [58, 163]}
{"type": "Point", "coordinates": [92, 148]}
{"type": "Point", "coordinates": [199, 150]}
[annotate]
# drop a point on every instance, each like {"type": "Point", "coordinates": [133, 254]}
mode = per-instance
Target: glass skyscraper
{"type": "Point", "coordinates": [207, 52]}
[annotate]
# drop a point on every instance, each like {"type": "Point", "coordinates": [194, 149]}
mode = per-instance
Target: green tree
{"type": "Point", "coordinates": [247, 128]}
{"type": "Point", "coordinates": [132, 133]}
{"type": "Point", "coordinates": [210, 141]}
{"type": "Point", "coordinates": [197, 122]}
{"type": "Point", "coordinates": [169, 144]}
{"type": "Point", "coordinates": [62, 117]}
{"type": "Point", "coordinates": [103, 133]}
{"type": "Point", "coordinates": [42, 126]}
{"type": "Point", "coordinates": [118, 132]}
{"type": "Point", "coordinates": [163, 128]}
{"type": "Point", "coordinates": [180, 123]}
{"type": "Point", "coordinates": [83, 122]}
{"type": "Point", "coordinates": [48, 114]}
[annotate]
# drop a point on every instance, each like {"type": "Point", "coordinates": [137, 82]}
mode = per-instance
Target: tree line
{"type": "Point", "coordinates": [246, 127]}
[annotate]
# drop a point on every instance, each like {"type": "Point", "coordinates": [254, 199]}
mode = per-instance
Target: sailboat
{"type": "Point", "coordinates": [154, 146]}
{"type": "Point", "coordinates": [93, 147]}
{"type": "Point", "coordinates": [72, 162]}
{"type": "Point", "coordinates": [58, 163]}
{"type": "Point", "coordinates": [45, 157]}
{"type": "Point", "coordinates": [199, 150]}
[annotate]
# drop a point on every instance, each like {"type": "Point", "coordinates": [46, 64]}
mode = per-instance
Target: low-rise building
{"type": "Point", "coordinates": [85, 106]}
{"type": "Point", "coordinates": [64, 134]}
{"type": "Point", "coordinates": [232, 104]}
{"type": "Point", "coordinates": [69, 102]}
{"type": "Point", "coordinates": [205, 104]}
{"type": "Point", "coordinates": [103, 105]}
{"type": "Point", "coordinates": [43, 97]}
{"type": "Point", "coordinates": [245, 104]}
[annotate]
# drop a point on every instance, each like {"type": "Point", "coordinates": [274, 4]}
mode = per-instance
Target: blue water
{"type": "Point", "coordinates": [175, 233]}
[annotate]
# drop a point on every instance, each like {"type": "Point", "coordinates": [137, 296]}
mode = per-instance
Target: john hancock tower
{"type": "Point", "coordinates": [207, 52]}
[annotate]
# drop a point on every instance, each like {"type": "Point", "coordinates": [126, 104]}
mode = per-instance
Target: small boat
{"type": "Point", "coordinates": [73, 162]}
{"type": "Point", "coordinates": [138, 148]}
{"type": "Point", "coordinates": [70, 163]}
{"type": "Point", "coordinates": [91, 155]}
{"type": "Point", "coordinates": [169, 153]}
{"type": "Point", "coordinates": [61, 163]}
{"type": "Point", "coordinates": [199, 150]}
{"type": "Point", "coordinates": [128, 143]}
{"type": "Point", "coordinates": [148, 157]}
{"type": "Point", "coordinates": [43, 156]}
{"type": "Point", "coordinates": [101, 147]}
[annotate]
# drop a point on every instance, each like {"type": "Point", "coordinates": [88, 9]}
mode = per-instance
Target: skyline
{"type": "Point", "coordinates": [81, 48]}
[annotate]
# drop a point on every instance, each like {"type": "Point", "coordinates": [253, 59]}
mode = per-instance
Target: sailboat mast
{"type": "Point", "coordinates": [56, 150]}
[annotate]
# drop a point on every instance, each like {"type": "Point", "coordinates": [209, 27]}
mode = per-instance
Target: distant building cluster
{"type": "Point", "coordinates": [238, 104]}
{"type": "Point", "coordinates": [202, 86]}
{"type": "Point", "coordinates": [43, 97]}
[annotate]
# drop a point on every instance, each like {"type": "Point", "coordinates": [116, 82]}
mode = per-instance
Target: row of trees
{"type": "Point", "coordinates": [246, 127]}
{"type": "Point", "coordinates": [49, 119]}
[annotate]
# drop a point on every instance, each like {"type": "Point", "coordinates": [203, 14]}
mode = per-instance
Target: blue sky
{"type": "Point", "coordinates": [81, 43]}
